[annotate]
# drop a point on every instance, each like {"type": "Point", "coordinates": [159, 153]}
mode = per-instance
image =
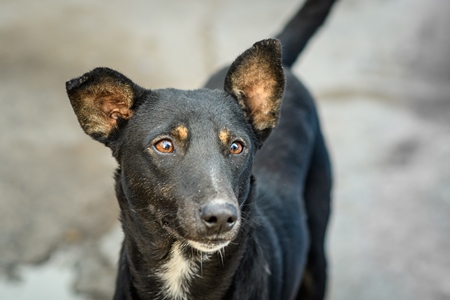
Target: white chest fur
{"type": "Point", "coordinates": [176, 274]}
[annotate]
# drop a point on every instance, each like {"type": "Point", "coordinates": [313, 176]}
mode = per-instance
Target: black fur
{"type": "Point", "coordinates": [198, 197]}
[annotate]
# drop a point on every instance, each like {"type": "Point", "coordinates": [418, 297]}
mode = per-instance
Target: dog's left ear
{"type": "Point", "coordinates": [256, 79]}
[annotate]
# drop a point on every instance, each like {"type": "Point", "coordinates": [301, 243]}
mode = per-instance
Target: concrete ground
{"type": "Point", "coordinates": [380, 71]}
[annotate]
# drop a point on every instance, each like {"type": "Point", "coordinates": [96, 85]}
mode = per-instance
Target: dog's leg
{"type": "Point", "coordinates": [317, 203]}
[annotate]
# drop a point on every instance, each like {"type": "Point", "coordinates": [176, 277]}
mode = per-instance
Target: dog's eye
{"type": "Point", "coordinates": [236, 148]}
{"type": "Point", "coordinates": [164, 146]}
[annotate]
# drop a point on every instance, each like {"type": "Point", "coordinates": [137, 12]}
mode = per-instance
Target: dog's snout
{"type": "Point", "coordinates": [219, 217]}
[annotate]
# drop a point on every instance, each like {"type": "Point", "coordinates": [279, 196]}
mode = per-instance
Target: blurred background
{"type": "Point", "coordinates": [380, 71]}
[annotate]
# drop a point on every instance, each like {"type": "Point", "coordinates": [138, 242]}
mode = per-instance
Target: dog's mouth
{"type": "Point", "coordinates": [208, 246]}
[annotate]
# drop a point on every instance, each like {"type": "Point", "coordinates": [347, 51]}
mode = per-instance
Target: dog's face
{"type": "Point", "coordinates": [185, 156]}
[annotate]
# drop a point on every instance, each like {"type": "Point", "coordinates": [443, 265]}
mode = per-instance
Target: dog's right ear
{"type": "Point", "coordinates": [103, 100]}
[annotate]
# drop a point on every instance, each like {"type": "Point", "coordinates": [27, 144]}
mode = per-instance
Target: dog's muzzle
{"type": "Point", "coordinates": [219, 221]}
{"type": "Point", "coordinates": [219, 217]}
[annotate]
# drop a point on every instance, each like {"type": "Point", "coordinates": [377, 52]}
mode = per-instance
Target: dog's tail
{"type": "Point", "coordinates": [297, 32]}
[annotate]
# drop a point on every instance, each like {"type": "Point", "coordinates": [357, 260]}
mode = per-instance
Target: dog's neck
{"type": "Point", "coordinates": [161, 267]}
{"type": "Point", "coordinates": [171, 269]}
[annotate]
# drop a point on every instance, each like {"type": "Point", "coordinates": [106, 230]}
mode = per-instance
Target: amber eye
{"type": "Point", "coordinates": [164, 146]}
{"type": "Point", "coordinates": [236, 148]}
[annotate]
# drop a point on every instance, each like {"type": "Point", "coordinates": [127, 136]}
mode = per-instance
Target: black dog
{"type": "Point", "coordinates": [205, 215]}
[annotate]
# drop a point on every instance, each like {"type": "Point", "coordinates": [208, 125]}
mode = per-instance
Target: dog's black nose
{"type": "Point", "coordinates": [219, 217]}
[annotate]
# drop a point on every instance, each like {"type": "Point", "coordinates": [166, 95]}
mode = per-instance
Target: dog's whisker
{"type": "Point", "coordinates": [223, 255]}
{"type": "Point", "coordinates": [220, 256]}
{"type": "Point", "coordinates": [201, 264]}
{"type": "Point", "coordinates": [137, 209]}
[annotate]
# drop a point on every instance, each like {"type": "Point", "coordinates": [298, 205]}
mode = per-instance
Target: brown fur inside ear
{"type": "Point", "coordinates": [100, 100]}
{"type": "Point", "coordinates": [256, 78]}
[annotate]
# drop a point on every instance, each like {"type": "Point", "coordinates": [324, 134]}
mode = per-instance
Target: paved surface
{"type": "Point", "coordinates": [380, 71]}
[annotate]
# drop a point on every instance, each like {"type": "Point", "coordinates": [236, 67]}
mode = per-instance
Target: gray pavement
{"type": "Point", "coordinates": [380, 71]}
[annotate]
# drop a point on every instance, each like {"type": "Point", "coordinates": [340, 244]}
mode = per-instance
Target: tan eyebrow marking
{"type": "Point", "coordinates": [225, 136]}
{"type": "Point", "coordinates": [181, 132]}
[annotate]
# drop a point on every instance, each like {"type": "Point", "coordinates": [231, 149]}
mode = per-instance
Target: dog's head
{"type": "Point", "coordinates": [185, 157]}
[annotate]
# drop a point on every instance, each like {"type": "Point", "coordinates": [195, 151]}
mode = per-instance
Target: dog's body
{"type": "Point", "coordinates": [204, 216]}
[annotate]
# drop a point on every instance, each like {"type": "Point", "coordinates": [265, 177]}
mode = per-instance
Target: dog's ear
{"type": "Point", "coordinates": [256, 79]}
{"type": "Point", "coordinates": [103, 100]}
